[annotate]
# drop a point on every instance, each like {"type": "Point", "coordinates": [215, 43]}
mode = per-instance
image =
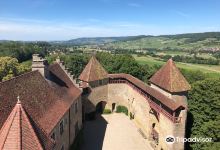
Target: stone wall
{"type": "Point", "coordinates": [69, 120]}
{"type": "Point", "coordinates": [75, 118]}
{"type": "Point", "coordinates": [96, 95]}
{"type": "Point", "coordinates": [62, 139]}
{"type": "Point", "coordinates": [122, 94]}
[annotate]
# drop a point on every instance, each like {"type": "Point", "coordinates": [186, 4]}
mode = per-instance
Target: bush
{"type": "Point", "coordinates": [122, 109]}
{"type": "Point", "coordinates": [107, 111]}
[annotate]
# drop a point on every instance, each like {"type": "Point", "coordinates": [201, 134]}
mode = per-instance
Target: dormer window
{"type": "Point", "coordinates": [53, 136]}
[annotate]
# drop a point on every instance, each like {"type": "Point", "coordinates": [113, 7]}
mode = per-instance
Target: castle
{"type": "Point", "coordinates": [45, 108]}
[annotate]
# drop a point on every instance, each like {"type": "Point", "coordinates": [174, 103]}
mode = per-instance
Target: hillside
{"type": "Point", "coordinates": [192, 41]}
{"type": "Point", "coordinates": [100, 40]}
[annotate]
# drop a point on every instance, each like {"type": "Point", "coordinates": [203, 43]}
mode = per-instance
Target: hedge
{"type": "Point", "coordinates": [122, 109]}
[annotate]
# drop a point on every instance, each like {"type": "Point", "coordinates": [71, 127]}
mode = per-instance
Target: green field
{"type": "Point", "coordinates": [213, 70]}
{"type": "Point", "coordinates": [165, 43]}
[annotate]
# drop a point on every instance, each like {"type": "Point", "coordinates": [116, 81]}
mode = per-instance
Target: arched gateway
{"type": "Point", "coordinates": [160, 108]}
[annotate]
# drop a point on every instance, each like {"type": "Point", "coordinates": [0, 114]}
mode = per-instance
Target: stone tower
{"type": "Point", "coordinates": [94, 81]}
{"type": "Point", "coordinates": [169, 81]}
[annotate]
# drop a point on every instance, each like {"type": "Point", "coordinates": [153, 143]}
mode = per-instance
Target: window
{"type": "Point", "coordinates": [76, 129]}
{"type": "Point", "coordinates": [62, 148]}
{"type": "Point", "coordinates": [61, 127]}
{"type": "Point", "coordinates": [100, 82]}
{"type": "Point", "coordinates": [76, 108]}
{"type": "Point", "coordinates": [65, 120]}
{"type": "Point", "coordinates": [53, 136]}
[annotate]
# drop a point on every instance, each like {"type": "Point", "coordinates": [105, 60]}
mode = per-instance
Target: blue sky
{"type": "Point", "coordinates": [68, 19]}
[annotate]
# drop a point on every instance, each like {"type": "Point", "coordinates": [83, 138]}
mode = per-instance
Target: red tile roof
{"type": "Point", "coordinates": [44, 100]}
{"type": "Point", "coordinates": [93, 71]}
{"type": "Point", "coordinates": [67, 91]}
{"type": "Point", "coordinates": [156, 94]}
{"type": "Point", "coordinates": [19, 133]}
{"type": "Point", "coordinates": [170, 78]}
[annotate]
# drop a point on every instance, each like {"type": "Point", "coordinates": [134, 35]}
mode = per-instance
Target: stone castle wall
{"type": "Point", "coordinates": [144, 117]}
{"type": "Point", "coordinates": [122, 94]}
{"type": "Point", "coordinates": [97, 94]}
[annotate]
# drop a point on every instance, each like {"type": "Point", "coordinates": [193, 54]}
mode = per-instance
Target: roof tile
{"type": "Point", "coordinates": [170, 78]}
{"type": "Point", "coordinates": [93, 71]}
{"type": "Point", "coordinates": [18, 132]}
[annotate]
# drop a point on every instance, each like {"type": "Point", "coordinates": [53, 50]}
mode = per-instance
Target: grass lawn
{"type": "Point", "coordinates": [213, 70]}
{"type": "Point", "coordinates": [172, 53]}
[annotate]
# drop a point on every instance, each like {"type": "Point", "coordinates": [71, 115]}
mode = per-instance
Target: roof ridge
{"type": "Point", "coordinates": [19, 76]}
{"type": "Point", "coordinates": [7, 132]}
{"type": "Point", "coordinates": [93, 71]}
{"type": "Point", "coordinates": [171, 71]}
{"type": "Point", "coordinates": [16, 118]}
{"type": "Point", "coordinates": [169, 78]}
{"type": "Point", "coordinates": [90, 67]}
{"type": "Point", "coordinates": [31, 127]}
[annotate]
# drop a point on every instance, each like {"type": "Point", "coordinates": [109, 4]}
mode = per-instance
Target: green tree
{"type": "Point", "coordinates": [9, 67]}
{"type": "Point", "coordinates": [204, 106]}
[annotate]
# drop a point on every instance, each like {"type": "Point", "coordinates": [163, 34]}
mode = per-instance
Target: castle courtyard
{"type": "Point", "coordinates": [113, 132]}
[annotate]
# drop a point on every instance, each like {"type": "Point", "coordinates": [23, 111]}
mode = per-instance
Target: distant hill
{"type": "Point", "coordinates": [190, 41]}
{"type": "Point", "coordinates": [98, 40]}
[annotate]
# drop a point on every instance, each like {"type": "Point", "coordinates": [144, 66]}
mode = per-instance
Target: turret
{"type": "Point", "coordinates": [170, 81]}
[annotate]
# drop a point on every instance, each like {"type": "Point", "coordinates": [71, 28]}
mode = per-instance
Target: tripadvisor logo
{"type": "Point", "coordinates": [170, 139]}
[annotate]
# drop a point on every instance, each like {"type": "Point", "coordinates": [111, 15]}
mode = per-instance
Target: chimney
{"type": "Point", "coordinates": [58, 59]}
{"type": "Point", "coordinates": [40, 64]}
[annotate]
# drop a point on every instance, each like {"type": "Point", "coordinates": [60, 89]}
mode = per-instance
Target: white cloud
{"type": "Point", "coordinates": [28, 29]}
{"type": "Point", "coordinates": [182, 14]}
{"type": "Point", "coordinates": [134, 4]}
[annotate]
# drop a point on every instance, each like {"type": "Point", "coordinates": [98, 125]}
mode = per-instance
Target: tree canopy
{"type": "Point", "coordinates": [204, 106]}
{"type": "Point", "coordinates": [9, 67]}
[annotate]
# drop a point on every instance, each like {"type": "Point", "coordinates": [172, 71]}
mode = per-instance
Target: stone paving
{"type": "Point", "coordinates": [113, 132]}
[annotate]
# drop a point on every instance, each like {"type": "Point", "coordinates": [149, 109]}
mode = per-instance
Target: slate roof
{"type": "Point", "coordinates": [156, 94]}
{"type": "Point", "coordinates": [170, 78]}
{"type": "Point", "coordinates": [19, 132]}
{"type": "Point", "coordinates": [93, 71]}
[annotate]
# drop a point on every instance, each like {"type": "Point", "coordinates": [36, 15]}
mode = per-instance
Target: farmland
{"type": "Point", "coordinates": [213, 70]}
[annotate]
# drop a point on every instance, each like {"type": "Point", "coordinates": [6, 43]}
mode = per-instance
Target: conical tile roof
{"type": "Point", "coordinates": [170, 78]}
{"type": "Point", "coordinates": [18, 132]}
{"type": "Point", "coordinates": [93, 71]}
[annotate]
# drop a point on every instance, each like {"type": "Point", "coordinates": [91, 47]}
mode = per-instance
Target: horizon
{"type": "Point", "coordinates": [106, 37]}
{"type": "Point", "coordinates": [52, 20]}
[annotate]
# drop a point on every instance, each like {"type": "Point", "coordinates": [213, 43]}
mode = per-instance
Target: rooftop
{"type": "Point", "coordinates": [170, 78]}
{"type": "Point", "coordinates": [46, 101]}
{"type": "Point", "coordinates": [93, 71]}
{"type": "Point", "coordinates": [20, 132]}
